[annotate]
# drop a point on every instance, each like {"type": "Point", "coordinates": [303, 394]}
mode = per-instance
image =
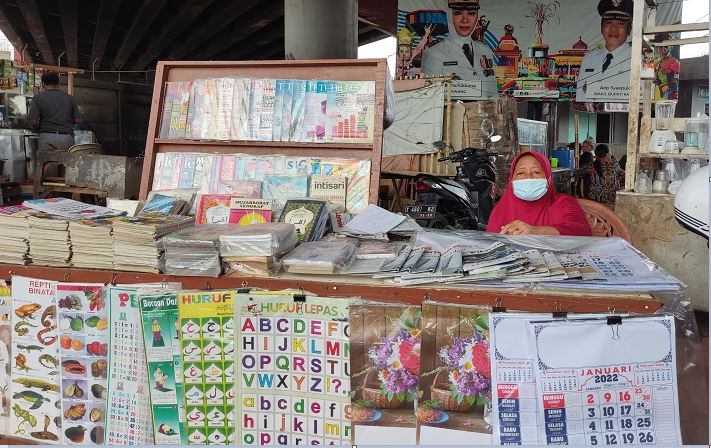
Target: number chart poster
{"type": "Point", "coordinates": [455, 380]}
{"type": "Point", "coordinates": [83, 341]}
{"type": "Point", "coordinates": [128, 414]}
{"type": "Point", "coordinates": [36, 406]}
{"type": "Point", "coordinates": [600, 384]}
{"type": "Point", "coordinates": [293, 370]}
{"type": "Point", "coordinates": [161, 338]}
{"type": "Point", "coordinates": [207, 349]}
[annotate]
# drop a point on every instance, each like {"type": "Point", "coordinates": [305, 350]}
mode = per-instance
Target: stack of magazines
{"type": "Point", "coordinates": [15, 236]}
{"type": "Point", "coordinates": [49, 240]}
{"type": "Point", "coordinates": [135, 240]}
{"type": "Point", "coordinates": [92, 245]}
{"type": "Point", "coordinates": [256, 250]}
{"type": "Point", "coordinates": [193, 251]}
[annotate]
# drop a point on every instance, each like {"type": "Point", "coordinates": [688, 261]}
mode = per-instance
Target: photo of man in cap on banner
{"type": "Point", "coordinates": [605, 72]}
{"type": "Point", "coordinates": [459, 53]}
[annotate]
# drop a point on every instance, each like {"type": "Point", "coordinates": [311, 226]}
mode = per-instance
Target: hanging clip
{"type": "Point", "coordinates": [558, 312]}
{"type": "Point", "coordinates": [112, 280]}
{"type": "Point", "coordinates": [164, 283]}
{"type": "Point", "coordinates": [208, 287]}
{"type": "Point", "coordinates": [66, 276]}
{"type": "Point", "coordinates": [244, 289]}
{"type": "Point", "coordinates": [614, 322]}
{"type": "Point", "coordinates": [12, 273]}
{"type": "Point", "coordinates": [300, 297]}
{"type": "Point", "coordinates": [498, 307]}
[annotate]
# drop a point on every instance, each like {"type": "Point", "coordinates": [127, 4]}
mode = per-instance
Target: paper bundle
{"type": "Point", "coordinates": [193, 251]}
{"type": "Point", "coordinates": [49, 240]}
{"type": "Point", "coordinates": [15, 234]}
{"type": "Point", "coordinates": [92, 245]}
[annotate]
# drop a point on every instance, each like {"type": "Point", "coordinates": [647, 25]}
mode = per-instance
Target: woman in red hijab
{"type": "Point", "coordinates": [532, 206]}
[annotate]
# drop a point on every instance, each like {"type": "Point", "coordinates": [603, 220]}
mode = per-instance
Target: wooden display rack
{"type": "Point", "coordinates": [331, 69]}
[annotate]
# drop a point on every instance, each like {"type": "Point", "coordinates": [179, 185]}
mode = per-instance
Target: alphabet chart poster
{"type": "Point", "coordinates": [293, 371]}
{"type": "Point", "coordinates": [600, 384]}
{"type": "Point", "coordinates": [207, 349]}
{"type": "Point", "coordinates": [128, 413]}
{"type": "Point", "coordinates": [35, 386]}
{"type": "Point", "coordinates": [161, 338]}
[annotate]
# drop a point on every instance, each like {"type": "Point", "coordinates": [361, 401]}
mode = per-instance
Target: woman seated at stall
{"type": "Point", "coordinates": [531, 205]}
{"type": "Point", "coordinates": [606, 179]}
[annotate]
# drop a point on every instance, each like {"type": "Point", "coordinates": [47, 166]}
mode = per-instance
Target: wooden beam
{"type": "Point", "coordinates": [58, 69]}
{"type": "Point", "coordinates": [271, 33]}
{"type": "Point", "coordinates": [211, 26]}
{"type": "Point", "coordinates": [8, 29]}
{"type": "Point", "coordinates": [252, 22]}
{"type": "Point", "coordinates": [70, 28]}
{"type": "Point", "coordinates": [687, 41]}
{"type": "Point", "coordinates": [680, 27]}
{"type": "Point", "coordinates": [144, 18]}
{"type": "Point", "coordinates": [33, 18]}
{"type": "Point", "coordinates": [186, 16]}
{"type": "Point", "coordinates": [633, 115]}
{"type": "Point", "coordinates": [104, 25]}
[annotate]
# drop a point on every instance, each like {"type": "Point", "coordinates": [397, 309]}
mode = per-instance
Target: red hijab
{"type": "Point", "coordinates": [554, 209]}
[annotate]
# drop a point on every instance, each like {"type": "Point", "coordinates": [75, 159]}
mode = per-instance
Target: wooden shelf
{"type": "Point", "coordinates": [538, 300]}
{"type": "Point", "coordinates": [266, 144]}
{"type": "Point", "coordinates": [659, 155]}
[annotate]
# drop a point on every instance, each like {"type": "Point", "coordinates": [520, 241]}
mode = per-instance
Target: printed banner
{"type": "Point", "coordinates": [207, 348]}
{"type": "Point", "coordinates": [606, 384]}
{"type": "Point", "coordinates": [526, 49]}
{"type": "Point", "coordinates": [36, 407]}
{"type": "Point", "coordinates": [385, 353]}
{"type": "Point", "coordinates": [455, 382]}
{"type": "Point", "coordinates": [128, 414]}
{"type": "Point", "coordinates": [161, 334]}
{"type": "Point", "coordinates": [293, 370]}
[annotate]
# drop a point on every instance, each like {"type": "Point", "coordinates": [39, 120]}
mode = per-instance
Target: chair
{"type": "Point", "coordinates": [603, 221]}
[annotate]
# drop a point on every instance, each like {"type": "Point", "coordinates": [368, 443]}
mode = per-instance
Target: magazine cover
{"type": "Point", "coordinates": [225, 89]}
{"type": "Point", "coordinates": [282, 188]}
{"type": "Point", "coordinates": [240, 109]}
{"type": "Point", "coordinates": [455, 376]}
{"type": "Point", "coordinates": [255, 108]}
{"type": "Point", "coordinates": [298, 105]}
{"type": "Point", "coordinates": [167, 113]}
{"type": "Point", "coordinates": [287, 103]}
{"type": "Point", "coordinates": [241, 188]}
{"type": "Point", "coordinates": [158, 171]}
{"type": "Point", "coordinates": [179, 112]}
{"type": "Point", "coordinates": [330, 188]}
{"type": "Point", "coordinates": [278, 109]}
{"type": "Point", "coordinates": [385, 355]}
{"type": "Point", "coordinates": [266, 121]}
{"type": "Point", "coordinates": [350, 111]}
{"type": "Point", "coordinates": [245, 211]}
{"type": "Point", "coordinates": [187, 170]}
{"type": "Point", "coordinates": [193, 127]}
{"type": "Point", "coordinates": [213, 209]}
{"type": "Point", "coordinates": [308, 216]}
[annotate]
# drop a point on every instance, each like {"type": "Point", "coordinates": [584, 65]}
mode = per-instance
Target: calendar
{"type": "Point", "coordinates": [293, 372]}
{"type": "Point", "coordinates": [602, 384]}
{"type": "Point", "coordinates": [128, 413]}
{"type": "Point", "coordinates": [161, 338]}
{"type": "Point", "coordinates": [208, 365]}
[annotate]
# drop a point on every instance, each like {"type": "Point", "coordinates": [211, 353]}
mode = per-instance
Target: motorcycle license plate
{"type": "Point", "coordinates": [421, 211]}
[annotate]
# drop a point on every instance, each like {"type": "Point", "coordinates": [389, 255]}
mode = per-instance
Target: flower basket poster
{"type": "Point", "coordinates": [454, 403]}
{"type": "Point", "coordinates": [385, 355]}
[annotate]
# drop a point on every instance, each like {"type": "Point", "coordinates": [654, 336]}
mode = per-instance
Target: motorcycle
{"type": "Point", "coordinates": [463, 203]}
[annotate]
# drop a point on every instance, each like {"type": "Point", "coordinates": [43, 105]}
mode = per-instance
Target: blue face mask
{"type": "Point", "coordinates": [530, 189]}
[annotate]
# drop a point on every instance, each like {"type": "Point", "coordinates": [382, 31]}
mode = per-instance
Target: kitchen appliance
{"type": "Point", "coordinates": [696, 133]}
{"type": "Point", "coordinates": [664, 112]}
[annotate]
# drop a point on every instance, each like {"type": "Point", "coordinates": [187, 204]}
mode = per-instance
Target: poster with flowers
{"type": "Point", "coordinates": [454, 397]}
{"type": "Point", "coordinates": [385, 355]}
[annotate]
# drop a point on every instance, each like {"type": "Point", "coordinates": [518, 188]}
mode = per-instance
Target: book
{"type": "Point", "coordinates": [209, 109]}
{"type": "Point", "coordinates": [307, 215]}
{"type": "Point", "coordinates": [255, 108]}
{"type": "Point", "coordinates": [312, 112]}
{"type": "Point", "coordinates": [278, 109]}
{"type": "Point", "coordinates": [200, 161]}
{"type": "Point", "coordinates": [166, 113]}
{"type": "Point", "coordinates": [187, 170]}
{"type": "Point", "coordinates": [213, 209]}
{"type": "Point", "coordinates": [266, 120]}
{"type": "Point", "coordinates": [240, 109]}
{"type": "Point", "coordinates": [331, 188]}
{"type": "Point", "coordinates": [227, 167]}
{"type": "Point", "coordinates": [281, 188]}
{"type": "Point", "coordinates": [246, 211]}
{"type": "Point", "coordinates": [179, 111]}
{"type": "Point", "coordinates": [298, 106]}
{"type": "Point", "coordinates": [70, 209]}
{"type": "Point", "coordinates": [195, 98]}
{"type": "Point", "coordinates": [225, 89]}
{"type": "Point", "coordinates": [286, 114]}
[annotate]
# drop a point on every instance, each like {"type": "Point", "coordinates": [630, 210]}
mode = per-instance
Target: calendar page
{"type": "Point", "coordinates": [128, 413]}
{"type": "Point", "coordinates": [600, 384]}
{"type": "Point", "coordinates": [293, 372]}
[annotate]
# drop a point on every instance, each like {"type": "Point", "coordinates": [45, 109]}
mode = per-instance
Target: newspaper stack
{"type": "Point", "coordinates": [135, 240]}
{"type": "Point", "coordinates": [193, 251]}
{"type": "Point", "coordinates": [92, 245]}
{"type": "Point", "coordinates": [50, 244]}
{"type": "Point", "coordinates": [14, 234]}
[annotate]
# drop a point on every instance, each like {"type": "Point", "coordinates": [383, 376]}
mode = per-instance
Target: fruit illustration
{"type": "Point", "coordinates": [98, 391]}
{"type": "Point", "coordinates": [73, 390]}
{"type": "Point", "coordinates": [99, 369]}
{"type": "Point", "coordinates": [75, 434]}
{"type": "Point", "coordinates": [97, 434]}
{"type": "Point", "coordinates": [65, 342]}
{"type": "Point", "coordinates": [102, 324]}
{"type": "Point", "coordinates": [75, 412]}
{"type": "Point", "coordinates": [71, 302]}
{"type": "Point", "coordinates": [92, 321]}
{"type": "Point", "coordinates": [77, 344]}
{"type": "Point", "coordinates": [76, 324]}
{"type": "Point", "coordinates": [72, 366]}
{"type": "Point", "coordinates": [96, 415]}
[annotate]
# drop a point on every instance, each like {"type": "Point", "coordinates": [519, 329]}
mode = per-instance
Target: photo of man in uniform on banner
{"type": "Point", "coordinates": [461, 53]}
{"type": "Point", "coordinates": [605, 72]}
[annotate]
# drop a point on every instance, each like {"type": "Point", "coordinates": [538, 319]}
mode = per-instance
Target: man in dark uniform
{"type": "Point", "coordinates": [610, 65]}
{"type": "Point", "coordinates": [54, 113]}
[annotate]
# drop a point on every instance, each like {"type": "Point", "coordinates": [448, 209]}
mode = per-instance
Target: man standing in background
{"type": "Point", "coordinates": [53, 113]}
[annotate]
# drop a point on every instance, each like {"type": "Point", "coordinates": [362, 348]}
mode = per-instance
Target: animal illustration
{"type": "Point", "coordinates": [21, 327]}
{"type": "Point", "coordinates": [48, 361]}
{"type": "Point", "coordinates": [39, 384]}
{"type": "Point", "coordinates": [5, 400]}
{"type": "Point", "coordinates": [27, 310]}
{"type": "Point", "coordinates": [21, 363]}
{"type": "Point", "coordinates": [35, 399]}
{"type": "Point", "coordinates": [29, 348]}
{"type": "Point", "coordinates": [26, 418]}
{"type": "Point", "coordinates": [48, 320]}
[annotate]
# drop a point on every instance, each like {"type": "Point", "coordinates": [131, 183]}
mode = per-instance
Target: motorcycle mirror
{"type": "Point", "coordinates": [440, 145]}
{"type": "Point", "coordinates": [495, 138]}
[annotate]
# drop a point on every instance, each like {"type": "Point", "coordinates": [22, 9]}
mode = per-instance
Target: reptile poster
{"type": "Point", "coordinates": [207, 349]}
{"type": "Point", "coordinates": [36, 406]}
{"type": "Point", "coordinates": [161, 338]}
{"type": "Point", "coordinates": [5, 344]}
{"type": "Point", "coordinates": [83, 341]}
{"type": "Point", "coordinates": [128, 413]}
{"type": "Point", "coordinates": [293, 370]}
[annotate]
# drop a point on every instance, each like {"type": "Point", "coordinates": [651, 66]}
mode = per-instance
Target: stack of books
{"type": "Point", "coordinates": [15, 235]}
{"type": "Point", "coordinates": [92, 245]}
{"type": "Point", "coordinates": [50, 244]}
{"type": "Point", "coordinates": [193, 251]}
{"type": "Point", "coordinates": [135, 241]}
{"type": "Point", "coordinates": [257, 250]}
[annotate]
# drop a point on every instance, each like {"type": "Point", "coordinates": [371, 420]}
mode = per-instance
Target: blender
{"type": "Point", "coordinates": [664, 112]}
{"type": "Point", "coordinates": [696, 135]}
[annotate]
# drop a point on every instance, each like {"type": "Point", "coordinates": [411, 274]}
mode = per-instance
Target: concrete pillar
{"type": "Point", "coordinates": [321, 29]}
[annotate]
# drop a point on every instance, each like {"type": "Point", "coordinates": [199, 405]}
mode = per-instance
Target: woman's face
{"type": "Point", "coordinates": [528, 167]}
{"type": "Point", "coordinates": [464, 21]}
